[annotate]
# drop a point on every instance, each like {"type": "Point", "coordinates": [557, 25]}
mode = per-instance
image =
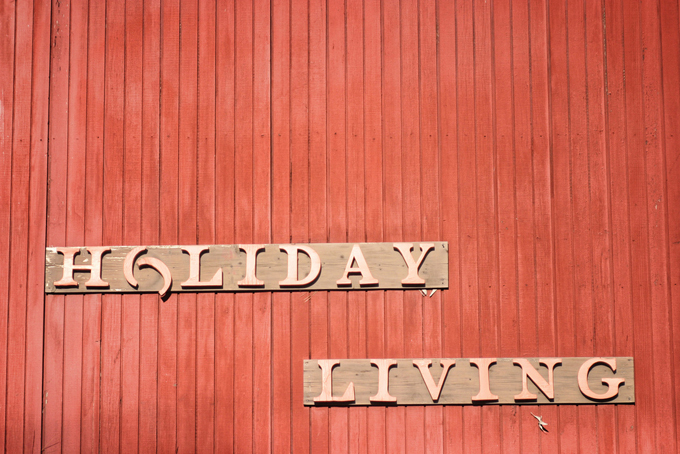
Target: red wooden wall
{"type": "Point", "coordinates": [540, 139]}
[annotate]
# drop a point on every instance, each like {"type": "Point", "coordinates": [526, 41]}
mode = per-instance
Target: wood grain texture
{"type": "Point", "coordinates": [7, 56]}
{"type": "Point", "coordinates": [15, 289]}
{"type": "Point", "coordinates": [168, 168]}
{"type": "Point", "coordinates": [75, 209]}
{"type": "Point", "coordinates": [537, 139]}
{"type": "Point", "coordinates": [92, 304]}
{"type": "Point", "coordinates": [282, 129]}
{"type": "Point", "coordinates": [131, 346]}
{"type": "Point", "coordinates": [224, 229]}
{"type": "Point", "coordinates": [150, 143]}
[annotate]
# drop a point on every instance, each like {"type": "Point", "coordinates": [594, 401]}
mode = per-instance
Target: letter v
{"type": "Point", "coordinates": [423, 366]}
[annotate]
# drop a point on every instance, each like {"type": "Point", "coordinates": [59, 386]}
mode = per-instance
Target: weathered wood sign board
{"type": "Point", "coordinates": [247, 267]}
{"type": "Point", "coordinates": [469, 381]}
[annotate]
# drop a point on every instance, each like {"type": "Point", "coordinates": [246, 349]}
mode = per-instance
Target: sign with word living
{"type": "Point", "coordinates": [467, 381]}
{"type": "Point", "coordinates": [247, 267]}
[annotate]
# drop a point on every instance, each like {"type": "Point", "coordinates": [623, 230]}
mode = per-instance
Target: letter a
{"type": "Point", "coordinates": [366, 276]}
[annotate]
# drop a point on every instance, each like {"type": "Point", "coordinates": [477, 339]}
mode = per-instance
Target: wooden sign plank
{"type": "Point", "coordinates": [405, 382]}
{"type": "Point", "coordinates": [384, 263]}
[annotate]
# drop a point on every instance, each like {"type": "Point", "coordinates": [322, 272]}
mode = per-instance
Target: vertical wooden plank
{"type": "Point", "coordinates": [467, 214]}
{"type": "Point", "coordinates": [525, 274]}
{"type": "Point", "coordinates": [91, 370]}
{"type": "Point", "coordinates": [224, 229]}
{"type": "Point", "coordinates": [373, 120]}
{"type": "Point", "coordinates": [468, 209]}
{"type": "Point", "coordinates": [318, 198]}
{"type": "Point", "coordinates": [169, 154]}
{"type": "Point", "coordinates": [243, 316]}
{"type": "Point", "coordinates": [187, 218]}
{"type": "Point", "coordinates": [19, 146]}
{"type": "Point", "coordinates": [114, 146]}
{"type": "Point", "coordinates": [487, 238]}
{"type": "Point", "coordinates": [17, 207]}
{"type": "Point", "coordinates": [670, 39]}
{"type": "Point", "coordinates": [448, 149]}
{"type": "Point", "coordinates": [337, 195]}
{"type": "Point", "coordinates": [508, 153]}
{"type": "Point", "coordinates": [261, 123]}
{"type": "Point", "coordinates": [509, 35]}
{"type": "Point", "coordinates": [392, 120]}
{"type": "Point", "coordinates": [562, 209]}
{"type": "Point", "coordinates": [148, 359]}
{"type": "Point", "coordinates": [114, 136]}
{"type": "Point", "coordinates": [37, 218]}
{"type": "Point", "coordinates": [132, 221]}
{"type": "Point", "coordinates": [261, 223]}
{"type": "Point", "coordinates": [7, 78]}
{"type": "Point", "coordinates": [300, 152]}
{"type": "Point", "coordinates": [620, 211]}
{"type": "Point", "coordinates": [392, 172]}
{"type": "Point", "coordinates": [75, 217]}
{"type": "Point", "coordinates": [430, 201]}
{"type": "Point", "coordinates": [392, 159]}
{"type": "Point", "coordinates": [375, 301]}
{"type": "Point", "coordinates": [56, 227]}
{"type": "Point", "coordinates": [581, 242]}
{"type": "Point", "coordinates": [110, 373]}
{"type": "Point", "coordinates": [205, 313]}
{"type": "Point", "coordinates": [638, 200]}
{"type": "Point", "coordinates": [148, 393]}
{"type": "Point", "coordinates": [600, 210]}
{"type": "Point", "coordinates": [525, 180]}
{"type": "Point", "coordinates": [52, 381]}
{"type": "Point", "coordinates": [282, 404]}
{"type": "Point", "coordinates": [543, 305]}
{"type": "Point", "coordinates": [356, 231]}
{"type": "Point", "coordinates": [262, 322]}
{"type": "Point", "coordinates": [282, 111]}
{"type": "Point", "coordinates": [659, 297]}
{"type": "Point", "coordinates": [224, 344]}
{"type": "Point", "coordinates": [410, 204]}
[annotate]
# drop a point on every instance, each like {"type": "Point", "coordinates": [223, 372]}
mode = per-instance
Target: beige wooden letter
{"type": "Point", "coordinates": [292, 278]}
{"type": "Point", "coordinates": [405, 249]}
{"type": "Point", "coordinates": [195, 269]}
{"type": "Point", "coordinates": [547, 388]}
{"type": "Point", "coordinates": [162, 268]}
{"type": "Point", "coordinates": [423, 366]}
{"type": "Point", "coordinates": [251, 251]}
{"type": "Point", "coordinates": [612, 383]}
{"type": "Point", "coordinates": [483, 364]}
{"type": "Point", "coordinates": [129, 263]}
{"type": "Point", "coordinates": [366, 276]}
{"type": "Point", "coordinates": [69, 267]}
{"type": "Point", "coordinates": [383, 394]}
{"type": "Point", "coordinates": [326, 395]}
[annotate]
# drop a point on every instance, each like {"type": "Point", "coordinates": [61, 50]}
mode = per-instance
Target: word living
{"type": "Point", "coordinates": [468, 381]}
